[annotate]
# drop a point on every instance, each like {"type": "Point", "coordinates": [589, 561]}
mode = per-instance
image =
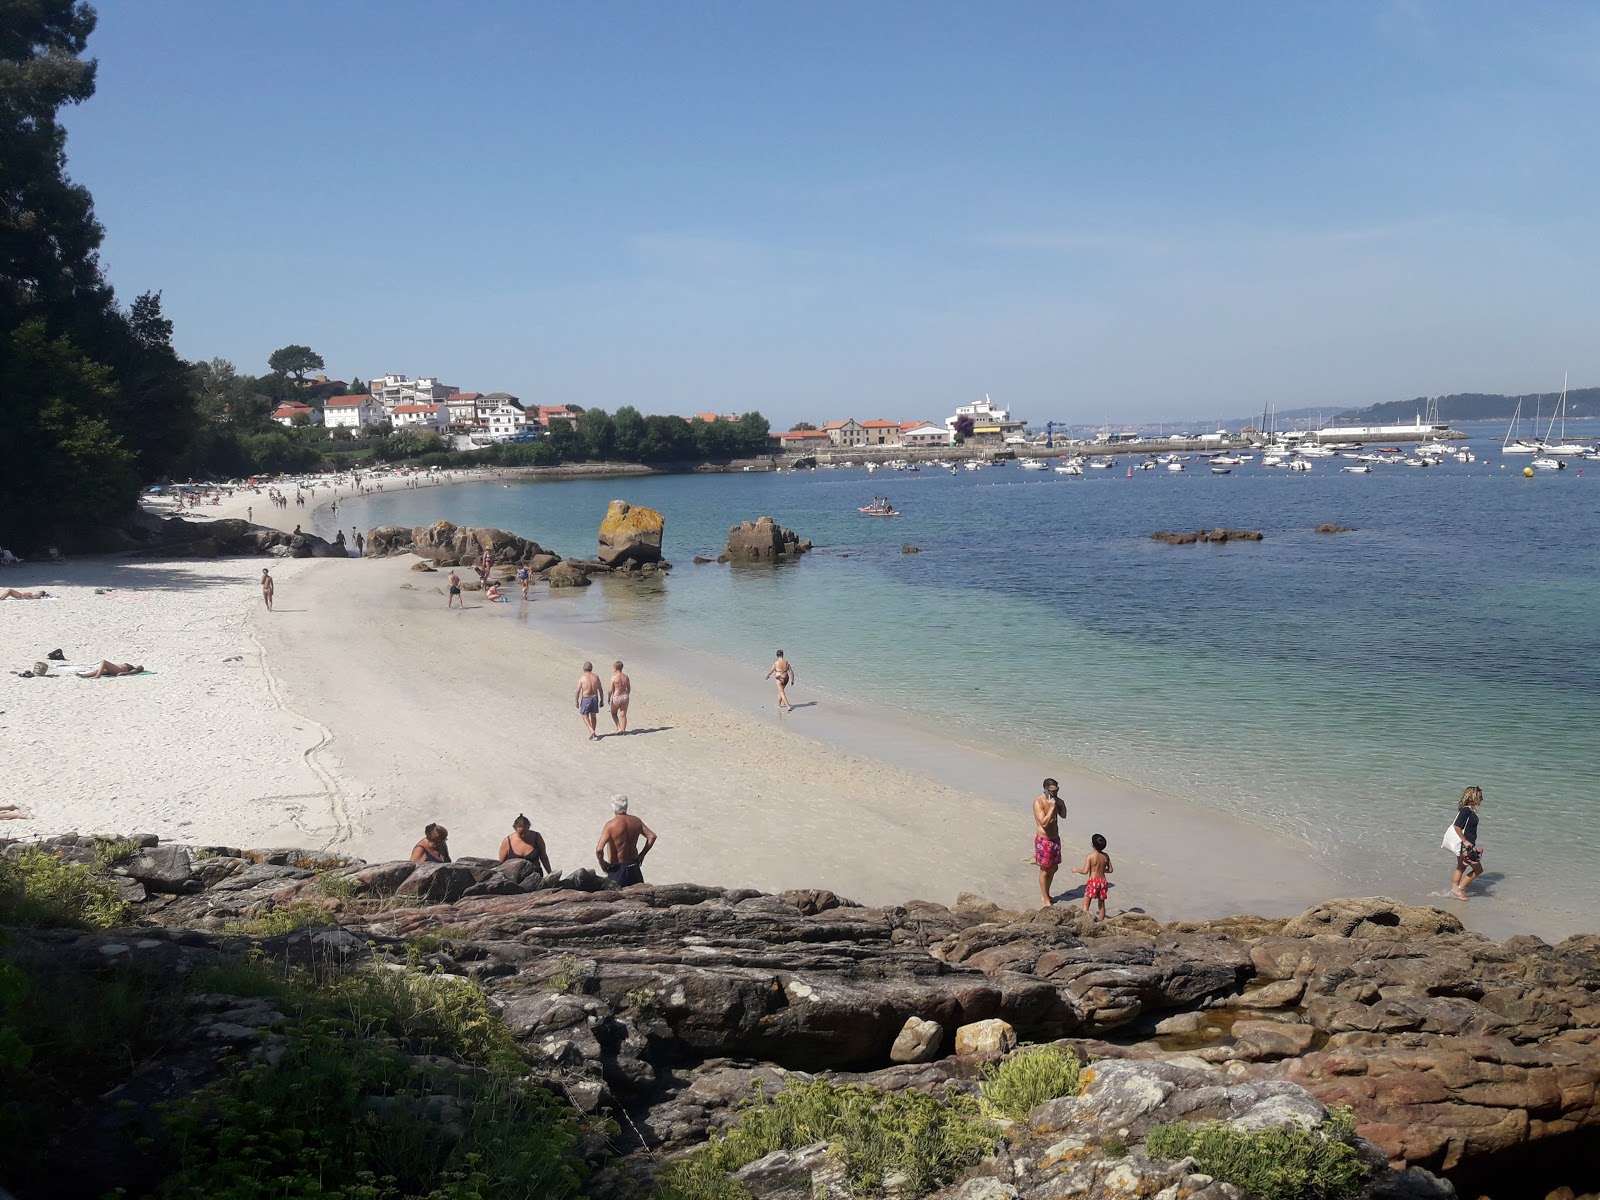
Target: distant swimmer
{"type": "Point", "coordinates": [621, 689]}
{"type": "Point", "coordinates": [618, 850]}
{"type": "Point", "coordinates": [1097, 866]}
{"type": "Point", "coordinates": [525, 843]}
{"type": "Point", "coordinates": [1048, 809]}
{"type": "Point", "coordinates": [267, 587]}
{"type": "Point", "coordinates": [454, 582]}
{"type": "Point", "coordinates": [434, 846]}
{"type": "Point", "coordinates": [782, 674]}
{"type": "Point", "coordinates": [591, 694]}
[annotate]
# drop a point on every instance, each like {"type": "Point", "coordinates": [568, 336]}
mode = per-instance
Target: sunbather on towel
{"type": "Point", "coordinates": [13, 594]}
{"type": "Point", "coordinates": [110, 668]}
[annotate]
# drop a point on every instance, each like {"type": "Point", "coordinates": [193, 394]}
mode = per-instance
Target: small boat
{"type": "Point", "coordinates": [873, 510]}
{"type": "Point", "coordinates": [1226, 460]}
{"type": "Point", "coordinates": [1100, 464]}
{"type": "Point", "coordinates": [1272, 460]}
{"type": "Point", "coordinates": [1070, 468]}
{"type": "Point", "coordinates": [1299, 464]}
{"type": "Point", "coordinates": [1361, 470]}
{"type": "Point", "coordinates": [1548, 464]}
{"type": "Point", "coordinates": [1174, 466]}
{"type": "Point", "coordinates": [1222, 470]}
{"type": "Point", "coordinates": [1032, 464]}
{"type": "Point", "coordinates": [1148, 464]}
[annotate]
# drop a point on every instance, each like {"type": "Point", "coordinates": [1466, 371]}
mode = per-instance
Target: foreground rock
{"type": "Point", "coordinates": [176, 537]}
{"type": "Point", "coordinates": [762, 540]}
{"type": "Point", "coordinates": [663, 1002]}
{"type": "Point", "coordinates": [1206, 535]}
{"type": "Point", "coordinates": [630, 534]}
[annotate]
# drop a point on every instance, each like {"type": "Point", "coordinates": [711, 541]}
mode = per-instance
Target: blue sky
{"type": "Point", "coordinates": [1088, 210]}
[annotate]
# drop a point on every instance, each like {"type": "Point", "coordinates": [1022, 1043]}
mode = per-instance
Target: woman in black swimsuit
{"type": "Point", "coordinates": [433, 848]}
{"type": "Point", "coordinates": [526, 844]}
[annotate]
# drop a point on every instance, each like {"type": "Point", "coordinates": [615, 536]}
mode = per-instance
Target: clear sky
{"type": "Point", "coordinates": [1088, 210]}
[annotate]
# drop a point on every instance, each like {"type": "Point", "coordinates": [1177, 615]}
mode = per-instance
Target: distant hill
{"type": "Point", "coordinates": [1474, 406]}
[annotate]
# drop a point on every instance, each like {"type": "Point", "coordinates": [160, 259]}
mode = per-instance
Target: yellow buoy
{"type": "Point", "coordinates": [1527, 472]}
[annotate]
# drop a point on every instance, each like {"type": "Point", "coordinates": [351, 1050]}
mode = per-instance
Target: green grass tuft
{"type": "Point", "coordinates": [275, 921]}
{"type": "Point", "coordinates": [1027, 1079]}
{"type": "Point", "coordinates": [40, 890]}
{"type": "Point", "coordinates": [917, 1140]}
{"type": "Point", "coordinates": [108, 853]}
{"type": "Point", "coordinates": [1286, 1163]}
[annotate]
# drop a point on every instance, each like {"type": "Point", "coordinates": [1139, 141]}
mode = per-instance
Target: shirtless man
{"type": "Point", "coordinates": [591, 695]}
{"type": "Point", "coordinates": [454, 581]}
{"type": "Point", "coordinates": [620, 838]}
{"type": "Point", "coordinates": [267, 587]}
{"type": "Point", "coordinates": [1047, 811]}
{"type": "Point", "coordinates": [783, 674]}
{"type": "Point", "coordinates": [621, 688]}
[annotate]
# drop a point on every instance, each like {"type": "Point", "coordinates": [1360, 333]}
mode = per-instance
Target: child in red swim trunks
{"type": "Point", "coordinates": [1097, 866]}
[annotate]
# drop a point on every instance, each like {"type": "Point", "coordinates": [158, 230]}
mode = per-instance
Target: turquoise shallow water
{"type": "Point", "coordinates": [1342, 689]}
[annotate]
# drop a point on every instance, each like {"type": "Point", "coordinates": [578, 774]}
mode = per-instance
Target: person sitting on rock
{"type": "Point", "coordinates": [620, 841]}
{"type": "Point", "coordinates": [525, 843]}
{"type": "Point", "coordinates": [433, 847]}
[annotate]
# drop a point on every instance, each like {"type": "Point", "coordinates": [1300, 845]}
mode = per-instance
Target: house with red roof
{"type": "Point", "coordinates": [804, 439]}
{"type": "Point", "coordinates": [352, 412]}
{"type": "Point", "coordinates": [292, 412]}
{"type": "Point", "coordinates": [558, 414]}
{"type": "Point", "coordinates": [434, 417]}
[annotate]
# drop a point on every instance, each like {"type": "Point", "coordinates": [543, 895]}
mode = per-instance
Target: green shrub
{"type": "Point", "coordinates": [109, 854]}
{"type": "Point", "coordinates": [40, 890]}
{"type": "Point", "coordinates": [339, 887]}
{"type": "Point", "coordinates": [1285, 1163]}
{"type": "Point", "coordinates": [341, 1118]}
{"type": "Point", "coordinates": [1027, 1079]}
{"type": "Point", "coordinates": [277, 921]}
{"type": "Point", "coordinates": [434, 1014]}
{"type": "Point", "coordinates": [924, 1139]}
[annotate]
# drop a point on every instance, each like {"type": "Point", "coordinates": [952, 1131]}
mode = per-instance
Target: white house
{"type": "Point", "coordinates": [420, 416]}
{"type": "Point", "coordinates": [989, 421]}
{"type": "Point", "coordinates": [926, 435]}
{"type": "Point", "coordinates": [502, 414]}
{"type": "Point", "coordinates": [351, 412]}
{"type": "Point", "coordinates": [292, 412]}
{"type": "Point", "coordinates": [392, 391]}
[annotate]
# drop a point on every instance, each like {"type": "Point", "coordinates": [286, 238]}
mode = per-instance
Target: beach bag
{"type": "Point", "coordinates": [1452, 839]}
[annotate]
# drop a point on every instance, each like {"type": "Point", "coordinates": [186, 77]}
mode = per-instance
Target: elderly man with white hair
{"type": "Point", "coordinates": [618, 849]}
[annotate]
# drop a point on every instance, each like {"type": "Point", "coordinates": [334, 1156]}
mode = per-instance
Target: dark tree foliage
{"type": "Point", "coordinates": [1475, 406]}
{"type": "Point", "coordinates": [87, 381]}
{"type": "Point", "coordinates": [295, 361]}
{"type": "Point", "coordinates": [963, 428]}
{"type": "Point", "coordinates": [800, 426]}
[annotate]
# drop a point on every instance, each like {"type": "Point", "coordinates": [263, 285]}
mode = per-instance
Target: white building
{"type": "Point", "coordinates": [989, 422]}
{"type": "Point", "coordinates": [392, 391]}
{"type": "Point", "coordinates": [846, 433]}
{"type": "Point", "coordinates": [292, 412]}
{"type": "Point", "coordinates": [352, 412]}
{"type": "Point", "coordinates": [502, 414]}
{"type": "Point", "coordinates": [464, 408]}
{"type": "Point", "coordinates": [926, 435]}
{"type": "Point", "coordinates": [420, 416]}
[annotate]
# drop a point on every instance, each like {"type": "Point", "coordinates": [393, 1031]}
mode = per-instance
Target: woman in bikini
{"type": "Point", "coordinates": [783, 674]}
{"type": "Point", "coordinates": [621, 689]}
{"type": "Point", "coordinates": [433, 848]}
{"type": "Point", "coordinates": [526, 844]}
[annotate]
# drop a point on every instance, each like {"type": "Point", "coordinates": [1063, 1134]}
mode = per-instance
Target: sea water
{"type": "Point", "coordinates": [1339, 688]}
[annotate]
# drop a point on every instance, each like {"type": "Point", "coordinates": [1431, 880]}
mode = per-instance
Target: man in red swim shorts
{"type": "Point", "coordinates": [1048, 809]}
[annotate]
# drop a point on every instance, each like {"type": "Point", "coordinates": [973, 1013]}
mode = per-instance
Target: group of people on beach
{"type": "Point", "coordinates": [591, 696]}
{"type": "Point", "coordinates": [618, 852]}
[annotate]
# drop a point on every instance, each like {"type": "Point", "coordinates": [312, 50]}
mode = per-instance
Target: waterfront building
{"type": "Point", "coordinates": [502, 414]}
{"type": "Point", "coordinates": [421, 416]}
{"type": "Point", "coordinates": [352, 412]}
{"type": "Point", "coordinates": [552, 415]}
{"type": "Point", "coordinates": [392, 391]}
{"type": "Point", "coordinates": [990, 423]}
{"type": "Point", "coordinates": [846, 433]}
{"type": "Point", "coordinates": [926, 435]}
{"type": "Point", "coordinates": [881, 433]}
{"type": "Point", "coordinates": [804, 439]}
{"type": "Point", "coordinates": [463, 408]}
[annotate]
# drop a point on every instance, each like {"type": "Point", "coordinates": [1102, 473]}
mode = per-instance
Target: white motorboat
{"type": "Point", "coordinates": [1225, 460]}
{"type": "Point", "coordinates": [1300, 464]}
{"type": "Point", "coordinates": [1548, 464]}
{"type": "Point", "coordinates": [1033, 464]}
{"type": "Point", "coordinates": [1272, 460]}
{"type": "Point", "coordinates": [1174, 466]}
{"type": "Point", "coordinates": [1466, 456]}
{"type": "Point", "coordinates": [1361, 470]}
{"type": "Point", "coordinates": [973, 465]}
{"type": "Point", "coordinates": [1148, 464]}
{"type": "Point", "coordinates": [1071, 468]}
{"type": "Point", "coordinates": [1100, 464]}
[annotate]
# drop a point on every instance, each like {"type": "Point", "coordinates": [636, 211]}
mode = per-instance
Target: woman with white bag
{"type": "Point", "coordinates": [1462, 837]}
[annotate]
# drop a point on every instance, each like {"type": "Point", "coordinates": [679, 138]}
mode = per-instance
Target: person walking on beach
{"type": "Point", "coordinates": [618, 850]}
{"type": "Point", "coordinates": [454, 582]}
{"type": "Point", "coordinates": [1469, 857]}
{"type": "Point", "coordinates": [524, 577]}
{"type": "Point", "coordinates": [591, 695]}
{"type": "Point", "coordinates": [361, 544]}
{"type": "Point", "coordinates": [783, 674]}
{"type": "Point", "coordinates": [1097, 866]}
{"type": "Point", "coordinates": [621, 688]}
{"type": "Point", "coordinates": [525, 843]}
{"type": "Point", "coordinates": [1048, 809]}
{"type": "Point", "coordinates": [267, 587]}
{"type": "Point", "coordinates": [250, 512]}
{"type": "Point", "coordinates": [434, 846]}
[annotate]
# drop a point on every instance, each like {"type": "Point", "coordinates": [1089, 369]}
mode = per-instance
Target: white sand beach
{"type": "Point", "coordinates": [361, 709]}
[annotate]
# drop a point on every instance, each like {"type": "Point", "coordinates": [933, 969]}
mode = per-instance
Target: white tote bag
{"type": "Point", "coordinates": [1452, 839]}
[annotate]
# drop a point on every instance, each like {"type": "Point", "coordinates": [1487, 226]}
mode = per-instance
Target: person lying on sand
{"type": "Point", "coordinates": [13, 594]}
{"type": "Point", "coordinates": [111, 668]}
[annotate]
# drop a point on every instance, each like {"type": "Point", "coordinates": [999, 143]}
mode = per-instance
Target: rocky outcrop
{"type": "Point", "coordinates": [564, 575]}
{"type": "Point", "coordinates": [1335, 529]}
{"type": "Point", "coordinates": [630, 534]}
{"type": "Point", "coordinates": [1206, 535]}
{"type": "Point", "coordinates": [177, 537]}
{"type": "Point", "coordinates": [447, 545]}
{"type": "Point", "coordinates": [763, 540]}
{"type": "Point", "coordinates": [664, 1001]}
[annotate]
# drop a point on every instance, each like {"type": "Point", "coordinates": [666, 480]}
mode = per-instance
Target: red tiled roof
{"type": "Point", "coordinates": [291, 406]}
{"type": "Point", "coordinates": [464, 396]}
{"type": "Point", "coordinates": [906, 426]}
{"type": "Point", "coordinates": [804, 434]}
{"type": "Point", "coordinates": [880, 424]}
{"type": "Point", "coordinates": [345, 401]}
{"type": "Point", "coordinates": [836, 424]}
{"type": "Point", "coordinates": [417, 408]}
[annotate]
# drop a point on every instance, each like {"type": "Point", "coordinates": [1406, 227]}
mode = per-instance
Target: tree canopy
{"type": "Point", "coordinates": [295, 361]}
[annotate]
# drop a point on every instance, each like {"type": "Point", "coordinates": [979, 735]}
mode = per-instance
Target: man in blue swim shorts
{"type": "Point", "coordinates": [591, 695]}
